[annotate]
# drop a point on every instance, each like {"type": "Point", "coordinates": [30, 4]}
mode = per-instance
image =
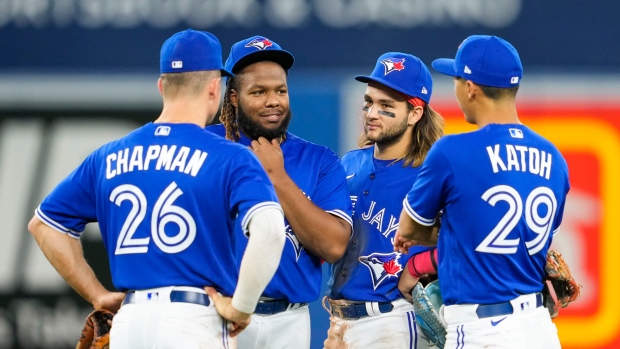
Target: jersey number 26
{"type": "Point", "coordinates": [164, 212]}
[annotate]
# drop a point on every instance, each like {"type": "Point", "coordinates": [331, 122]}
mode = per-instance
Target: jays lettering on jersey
{"type": "Point", "coordinates": [370, 268]}
{"type": "Point", "coordinates": [503, 190]}
{"type": "Point", "coordinates": [167, 197]}
{"type": "Point", "coordinates": [318, 173]}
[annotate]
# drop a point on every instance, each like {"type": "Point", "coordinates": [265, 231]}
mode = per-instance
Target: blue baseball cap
{"type": "Point", "coordinates": [402, 72]}
{"type": "Point", "coordinates": [257, 49]}
{"type": "Point", "coordinates": [191, 50]}
{"type": "Point", "coordinates": [485, 60]}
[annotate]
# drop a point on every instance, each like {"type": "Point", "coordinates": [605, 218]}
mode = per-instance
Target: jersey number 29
{"type": "Point", "coordinates": [164, 212]}
{"type": "Point", "coordinates": [497, 241]}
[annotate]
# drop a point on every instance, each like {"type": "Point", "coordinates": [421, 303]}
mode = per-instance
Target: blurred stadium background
{"type": "Point", "coordinates": [77, 73]}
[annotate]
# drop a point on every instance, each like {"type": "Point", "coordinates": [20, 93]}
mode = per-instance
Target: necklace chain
{"type": "Point", "coordinates": [395, 161]}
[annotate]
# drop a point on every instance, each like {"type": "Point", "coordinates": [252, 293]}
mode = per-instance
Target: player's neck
{"type": "Point", "coordinates": [497, 113]}
{"type": "Point", "coordinates": [390, 151]}
{"type": "Point", "coordinates": [183, 111]}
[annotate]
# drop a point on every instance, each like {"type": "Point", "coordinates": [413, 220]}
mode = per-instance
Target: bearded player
{"type": "Point", "coordinates": [309, 181]}
{"type": "Point", "coordinates": [399, 129]}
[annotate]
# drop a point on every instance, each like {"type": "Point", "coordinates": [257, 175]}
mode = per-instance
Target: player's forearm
{"type": "Point", "coordinates": [66, 256]}
{"type": "Point", "coordinates": [321, 233]}
{"type": "Point", "coordinates": [412, 230]}
{"type": "Point", "coordinates": [261, 258]}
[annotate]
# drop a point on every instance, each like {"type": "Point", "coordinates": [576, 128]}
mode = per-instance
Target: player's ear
{"type": "Point", "coordinates": [414, 115]}
{"type": "Point", "coordinates": [472, 89]}
{"type": "Point", "coordinates": [214, 89]}
{"type": "Point", "coordinates": [234, 98]}
{"type": "Point", "coordinates": [160, 87]}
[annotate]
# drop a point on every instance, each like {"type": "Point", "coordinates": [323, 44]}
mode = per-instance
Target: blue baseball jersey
{"type": "Point", "coordinates": [370, 269]}
{"type": "Point", "coordinates": [317, 171]}
{"type": "Point", "coordinates": [502, 189]}
{"type": "Point", "coordinates": [167, 198]}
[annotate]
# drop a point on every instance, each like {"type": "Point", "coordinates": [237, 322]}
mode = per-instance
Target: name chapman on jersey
{"type": "Point", "coordinates": [159, 157]}
{"type": "Point", "coordinates": [520, 158]}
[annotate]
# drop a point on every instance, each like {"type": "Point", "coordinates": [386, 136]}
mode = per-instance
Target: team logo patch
{"type": "Point", "coordinates": [260, 43]}
{"type": "Point", "coordinates": [290, 235]}
{"type": "Point", "coordinates": [382, 266]}
{"type": "Point", "coordinates": [392, 64]}
{"type": "Point", "coordinates": [162, 131]}
{"type": "Point", "coordinates": [515, 133]}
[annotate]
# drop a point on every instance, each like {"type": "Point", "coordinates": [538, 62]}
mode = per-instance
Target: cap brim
{"type": "Point", "coordinates": [444, 66]}
{"type": "Point", "coordinates": [283, 58]}
{"type": "Point", "coordinates": [366, 79]}
{"type": "Point", "coordinates": [226, 73]}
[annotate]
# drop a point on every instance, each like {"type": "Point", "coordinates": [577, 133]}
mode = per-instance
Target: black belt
{"type": "Point", "coordinates": [358, 311]}
{"type": "Point", "coordinates": [175, 296]}
{"type": "Point", "coordinates": [499, 309]}
{"type": "Point", "coordinates": [275, 307]}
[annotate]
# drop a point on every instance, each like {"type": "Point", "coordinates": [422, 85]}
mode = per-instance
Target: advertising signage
{"type": "Point", "coordinates": [104, 35]}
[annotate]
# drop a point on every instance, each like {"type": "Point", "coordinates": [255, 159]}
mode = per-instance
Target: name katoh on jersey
{"type": "Point", "coordinates": [502, 189]}
{"type": "Point", "coordinates": [317, 171]}
{"type": "Point", "coordinates": [167, 198]}
{"type": "Point", "coordinates": [370, 269]}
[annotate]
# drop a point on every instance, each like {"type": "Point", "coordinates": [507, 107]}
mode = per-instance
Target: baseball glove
{"type": "Point", "coordinates": [561, 288]}
{"type": "Point", "coordinates": [96, 331]}
{"type": "Point", "coordinates": [426, 303]}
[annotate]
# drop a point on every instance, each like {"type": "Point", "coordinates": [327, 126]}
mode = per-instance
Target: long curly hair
{"type": "Point", "coordinates": [228, 116]}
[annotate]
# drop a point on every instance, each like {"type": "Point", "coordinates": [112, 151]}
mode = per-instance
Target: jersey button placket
{"type": "Point", "coordinates": [372, 176]}
{"type": "Point", "coordinates": [365, 192]}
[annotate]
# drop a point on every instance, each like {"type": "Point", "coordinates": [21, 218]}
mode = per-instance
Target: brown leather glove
{"type": "Point", "coordinates": [96, 331]}
{"type": "Point", "coordinates": [561, 288]}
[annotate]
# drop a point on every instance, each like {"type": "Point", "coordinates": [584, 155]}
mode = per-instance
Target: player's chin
{"type": "Point", "coordinates": [373, 135]}
{"type": "Point", "coordinates": [271, 125]}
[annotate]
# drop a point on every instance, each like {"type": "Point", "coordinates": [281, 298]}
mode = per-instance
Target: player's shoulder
{"type": "Point", "coordinates": [217, 129]}
{"type": "Point", "coordinates": [358, 155]}
{"type": "Point", "coordinates": [298, 144]}
{"type": "Point", "coordinates": [358, 160]}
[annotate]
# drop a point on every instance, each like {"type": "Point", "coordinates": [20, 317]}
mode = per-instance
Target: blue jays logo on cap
{"type": "Point", "coordinates": [257, 49]}
{"type": "Point", "coordinates": [392, 64]}
{"type": "Point", "coordinates": [382, 266]}
{"type": "Point", "coordinates": [412, 81]}
{"type": "Point", "coordinates": [259, 43]}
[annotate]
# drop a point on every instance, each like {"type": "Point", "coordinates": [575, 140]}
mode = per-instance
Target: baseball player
{"type": "Point", "coordinates": [309, 181]}
{"type": "Point", "coordinates": [168, 198]}
{"type": "Point", "coordinates": [399, 129]}
{"type": "Point", "coordinates": [502, 190]}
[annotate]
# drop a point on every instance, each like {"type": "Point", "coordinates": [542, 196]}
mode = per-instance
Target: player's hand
{"type": "Point", "coordinates": [406, 282]}
{"type": "Point", "coordinates": [270, 156]}
{"type": "Point", "coordinates": [402, 244]}
{"type": "Point", "coordinates": [239, 320]}
{"type": "Point", "coordinates": [109, 301]}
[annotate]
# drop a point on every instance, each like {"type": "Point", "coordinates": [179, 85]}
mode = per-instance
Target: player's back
{"type": "Point", "coordinates": [168, 196]}
{"type": "Point", "coordinates": [506, 191]}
